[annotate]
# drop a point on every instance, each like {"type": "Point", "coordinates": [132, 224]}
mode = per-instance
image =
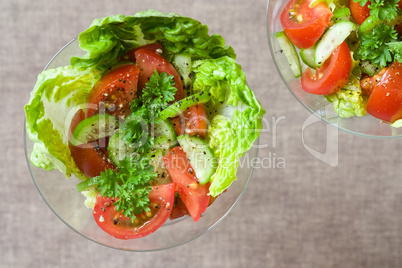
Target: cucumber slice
{"type": "Point", "coordinates": [331, 39]}
{"type": "Point", "coordinates": [180, 106]}
{"type": "Point", "coordinates": [162, 130]}
{"type": "Point", "coordinates": [290, 53]}
{"type": "Point", "coordinates": [307, 56]}
{"type": "Point", "coordinates": [368, 24]}
{"type": "Point", "coordinates": [118, 149]}
{"type": "Point", "coordinates": [182, 62]}
{"type": "Point", "coordinates": [164, 144]}
{"type": "Point", "coordinates": [163, 127]}
{"type": "Point", "coordinates": [94, 128]}
{"type": "Point", "coordinates": [200, 156]}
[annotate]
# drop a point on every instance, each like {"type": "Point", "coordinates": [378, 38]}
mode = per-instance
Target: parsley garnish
{"type": "Point", "coordinates": [155, 97]}
{"type": "Point", "coordinates": [157, 94]}
{"type": "Point", "coordinates": [130, 184]}
{"type": "Point", "coordinates": [375, 45]}
{"type": "Point", "coordinates": [382, 9]}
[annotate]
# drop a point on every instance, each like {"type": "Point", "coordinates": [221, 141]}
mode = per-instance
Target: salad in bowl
{"type": "Point", "coordinates": [346, 53]}
{"type": "Point", "coordinates": [150, 123]}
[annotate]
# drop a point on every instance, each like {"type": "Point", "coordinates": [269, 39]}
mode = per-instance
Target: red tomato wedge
{"type": "Point", "coordinates": [195, 196]}
{"type": "Point", "coordinates": [114, 91]}
{"type": "Point", "coordinates": [304, 25]}
{"type": "Point", "coordinates": [385, 101]}
{"type": "Point", "coordinates": [193, 121]}
{"type": "Point", "coordinates": [130, 55]}
{"type": "Point", "coordinates": [148, 60]}
{"type": "Point", "coordinates": [120, 226]}
{"type": "Point", "coordinates": [179, 209]}
{"type": "Point", "coordinates": [331, 76]}
{"type": "Point", "coordinates": [91, 158]}
{"type": "Point", "coordinates": [359, 13]}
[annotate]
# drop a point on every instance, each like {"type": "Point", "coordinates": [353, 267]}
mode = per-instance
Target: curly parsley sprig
{"type": "Point", "coordinates": [155, 97]}
{"type": "Point", "coordinates": [375, 45]}
{"type": "Point", "coordinates": [157, 94]}
{"type": "Point", "coordinates": [130, 184]}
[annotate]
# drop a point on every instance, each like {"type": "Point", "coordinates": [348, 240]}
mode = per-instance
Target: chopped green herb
{"type": "Point", "coordinates": [374, 45]}
{"type": "Point", "coordinates": [130, 184]}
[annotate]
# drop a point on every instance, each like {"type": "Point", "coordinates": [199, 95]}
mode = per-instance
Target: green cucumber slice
{"type": "Point", "coordinates": [94, 128]}
{"type": "Point", "coordinates": [290, 53]}
{"type": "Point", "coordinates": [118, 149]}
{"type": "Point", "coordinates": [180, 106]}
{"type": "Point", "coordinates": [183, 64]}
{"type": "Point", "coordinates": [200, 156]}
{"type": "Point", "coordinates": [307, 56]}
{"type": "Point", "coordinates": [331, 39]}
{"type": "Point", "coordinates": [163, 127]}
{"type": "Point", "coordinates": [368, 24]}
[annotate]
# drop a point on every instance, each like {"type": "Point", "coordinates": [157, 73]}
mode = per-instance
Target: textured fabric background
{"type": "Point", "coordinates": [298, 211]}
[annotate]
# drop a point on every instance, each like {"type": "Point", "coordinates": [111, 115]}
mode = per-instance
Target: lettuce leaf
{"type": "Point", "coordinates": [348, 103]}
{"type": "Point", "coordinates": [57, 95]}
{"type": "Point", "coordinates": [107, 39]}
{"type": "Point", "coordinates": [236, 116]}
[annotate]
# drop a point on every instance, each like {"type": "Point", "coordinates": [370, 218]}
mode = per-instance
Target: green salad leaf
{"type": "Point", "coordinates": [107, 39]}
{"type": "Point", "coordinates": [236, 115]}
{"type": "Point", "coordinates": [348, 103]}
{"type": "Point", "coordinates": [57, 95]}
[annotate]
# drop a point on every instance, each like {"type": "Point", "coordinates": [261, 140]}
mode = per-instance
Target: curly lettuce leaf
{"type": "Point", "coordinates": [236, 116]}
{"type": "Point", "coordinates": [107, 39]}
{"type": "Point", "coordinates": [56, 97]}
{"type": "Point", "coordinates": [348, 103]}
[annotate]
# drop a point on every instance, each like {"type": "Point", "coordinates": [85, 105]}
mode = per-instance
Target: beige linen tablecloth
{"type": "Point", "coordinates": [298, 211]}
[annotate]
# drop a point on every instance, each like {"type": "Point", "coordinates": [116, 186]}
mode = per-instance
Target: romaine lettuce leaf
{"type": "Point", "coordinates": [236, 116]}
{"type": "Point", "coordinates": [107, 39]}
{"type": "Point", "coordinates": [57, 95]}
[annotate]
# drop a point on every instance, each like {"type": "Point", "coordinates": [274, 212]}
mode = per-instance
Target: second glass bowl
{"type": "Point", "coordinates": [367, 126]}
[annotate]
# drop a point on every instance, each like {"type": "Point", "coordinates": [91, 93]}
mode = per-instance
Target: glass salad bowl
{"type": "Point", "coordinates": [62, 197]}
{"type": "Point", "coordinates": [367, 126]}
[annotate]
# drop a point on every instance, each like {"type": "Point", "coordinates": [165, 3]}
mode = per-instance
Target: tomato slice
{"type": "Point", "coordinates": [114, 91]}
{"type": "Point", "coordinates": [91, 158]}
{"type": "Point", "coordinates": [179, 209]}
{"type": "Point", "coordinates": [385, 101]}
{"type": "Point", "coordinates": [304, 25]}
{"type": "Point", "coordinates": [359, 13]}
{"type": "Point", "coordinates": [195, 196]}
{"type": "Point", "coordinates": [193, 121]}
{"type": "Point", "coordinates": [120, 226]}
{"type": "Point", "coordinates": [149, 60]}
{"type": "Point", "coordinates": [331, 76]}
{"type": "Point", "coordinates": [130, 55]}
